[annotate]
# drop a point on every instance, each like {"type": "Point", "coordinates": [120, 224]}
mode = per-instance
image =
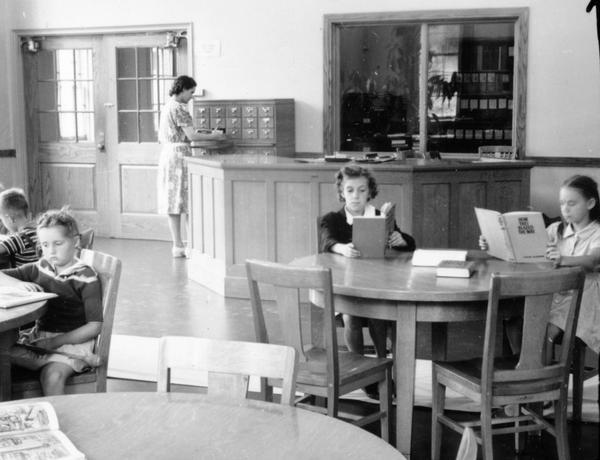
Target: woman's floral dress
{"type": "Point", "coordinates": [172, 169]}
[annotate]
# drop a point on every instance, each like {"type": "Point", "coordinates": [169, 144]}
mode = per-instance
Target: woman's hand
{"type": "Point", "coordinates": [347, 250]}
{"type": "Point", "coordinates": [483, 244]}
{"type": "Point", "coordinates": [31, 287]}
{"type": "Point", "coordinates": [553, 255]}
{"type": "Point", "coordinates": [396, 240]}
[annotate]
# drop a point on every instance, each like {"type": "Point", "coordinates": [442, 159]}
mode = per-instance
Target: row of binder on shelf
{"type": "Point", "coordinates": [481, 82]}
{"type": "Point", "coordinates": [500, 103]}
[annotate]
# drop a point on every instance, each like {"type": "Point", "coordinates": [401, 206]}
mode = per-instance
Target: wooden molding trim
{"type": "Point", "coordinates": [575, 162]}
{"type": "Point", "coordinates": [8, 153]}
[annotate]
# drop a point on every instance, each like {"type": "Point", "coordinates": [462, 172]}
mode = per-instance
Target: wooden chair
{"type": "Point", "coordinates": [322, 371]}
{"type": "Point", "coordinates": [498, 152]}
{"type": "Point", "coordinates": [229, 364]}
{"type": "Point", "coordinates": [26, 383]}
{"type": "Point", "coordinates": [86, 238]}
{"type": "Point", "coordinates": [524, 379]}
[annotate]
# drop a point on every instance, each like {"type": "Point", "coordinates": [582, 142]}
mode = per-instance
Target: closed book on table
{"type": "Point", "coordinates": [455, 268]}
{"type": "Point", "coordinates": [514, 236]}
{"type": "Point", "coordinates": [432, 257]}
{"type": "Point", "coordinates": [370, 234]}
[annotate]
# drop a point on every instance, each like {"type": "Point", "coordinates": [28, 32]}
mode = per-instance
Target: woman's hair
{"type": "Point", "coordinates": [59, 218]}
{"type": "Point", "coordinates": [588, 188]}
{"type": "Point", "coordinates": [181, 83]}
{"type": "Point", "coordinates": [353, 171]}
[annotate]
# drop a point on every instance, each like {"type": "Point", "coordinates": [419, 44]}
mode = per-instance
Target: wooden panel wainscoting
{"type": "Point", "coordinates": [251, 206]}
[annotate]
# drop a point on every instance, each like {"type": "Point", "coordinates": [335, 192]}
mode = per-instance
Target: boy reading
{"type": "Point", "coordinates": [73, 319]}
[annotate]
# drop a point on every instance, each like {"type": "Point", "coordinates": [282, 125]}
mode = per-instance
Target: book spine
{"type": "Point", "coordinates": [512, 257]}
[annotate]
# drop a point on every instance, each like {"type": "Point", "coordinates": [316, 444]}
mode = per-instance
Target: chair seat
{"type": "Point", "coordinates": [468, 373]}
{"type": "Point", "coordinates": [352, 366]}
{"type": "Point", "coordinates": [26, 382]}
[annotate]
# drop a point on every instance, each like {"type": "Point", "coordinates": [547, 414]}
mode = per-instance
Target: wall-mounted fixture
{"type": "Point", "coordinates": [173, 38]}
{"type": "Point", "coordinates": [30, 44]}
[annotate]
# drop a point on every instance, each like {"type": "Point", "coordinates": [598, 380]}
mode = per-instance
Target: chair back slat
{"type": "Point", "coordinates": [227, 364]}
{"type": "Point", "coordinates": [536, 313]}
{"type": "Point", "coordinates": [108, 269]}
{"type": "Point", "coordinates": [538, 289]}
{"type": "Point", "coordinates": [288, 307]}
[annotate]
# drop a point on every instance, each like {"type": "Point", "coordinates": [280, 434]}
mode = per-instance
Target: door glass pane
{"type": "Point", "coordinates": [379, 86]}
{"type": "Point", "coordinates": [126, 95]}
{"type": "Point", "coordinates": [148, 128]}
{"type": "Point", "coordinates": [146, 96]}
{"type": "Point", "coordinates": [66, 95]}
{"type": "Point", "coordinates": [83, 65]}
{"type": "Point", "coordinates": [126, 63]}
{"type": "Point", "coordinates": [67, 126]}
{"type": "Point", "coordinates": [140, 96]}
{"type": "Point", "coordinates": [85, 127]}
{"type": "Point", "coordinates": [128, 127]}
{"type": "Point", "coordinates": [146, 63]}
{"type": "Point", "coordinates": [64, 65]}
{"type": "Point", "coordinates": [85, 96]}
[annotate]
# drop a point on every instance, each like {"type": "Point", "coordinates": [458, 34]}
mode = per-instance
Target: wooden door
{"type": "Point", "coordinates": [93, 105]}
{"type": "Point", "coordinates": [63, 119]}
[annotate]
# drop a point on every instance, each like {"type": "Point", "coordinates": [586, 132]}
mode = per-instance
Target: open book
{"type": "Point", "coordinates": [14, 297]}
{"type": "Point", "coordinates": [370, 234]}
{"type": "Point", "coordinates": [29, 431]}
{"type": "Point", "coordinates": [518, 236]}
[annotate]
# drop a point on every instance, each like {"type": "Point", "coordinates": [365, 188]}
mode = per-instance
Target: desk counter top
{"type": "Point", "coordinates": [251, 161]}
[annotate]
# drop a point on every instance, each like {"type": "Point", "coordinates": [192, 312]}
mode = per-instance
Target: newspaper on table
{"type": "Point", "coordinates": [29, 431]}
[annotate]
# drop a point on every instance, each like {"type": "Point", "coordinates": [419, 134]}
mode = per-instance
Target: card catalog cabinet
{"type": "Point", "coordinates": [264, 126]}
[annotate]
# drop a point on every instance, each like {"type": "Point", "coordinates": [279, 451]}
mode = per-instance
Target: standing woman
{"type": "Point", "coordinates": [174, 134]}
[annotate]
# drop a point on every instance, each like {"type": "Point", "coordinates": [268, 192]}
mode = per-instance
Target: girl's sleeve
{"type": "Point", "coordinates": [327, 237]}
{"type": "Point", "coordinates": [411, 245]}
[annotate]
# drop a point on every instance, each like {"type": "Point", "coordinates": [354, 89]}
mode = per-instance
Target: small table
{"type": "Point", "coordinates": [10, 320]}
{"type": "Point", "coordinates": [392, 289]}
{"type": "Point", "coordinates": [190, 425]}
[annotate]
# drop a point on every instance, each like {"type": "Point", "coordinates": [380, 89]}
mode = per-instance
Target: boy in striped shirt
{"type": "Point", "coordinates": [19, 246]}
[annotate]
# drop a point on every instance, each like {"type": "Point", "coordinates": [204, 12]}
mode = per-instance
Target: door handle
{"type": "Point", "coordinates": [101, 145]}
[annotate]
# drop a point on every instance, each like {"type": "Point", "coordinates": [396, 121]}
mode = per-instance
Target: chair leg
{"type": "Point", "coordinates": [385, 404]}
{"type": "Point", "coordinates": [578, 367]}
{"type": "Point", "coordinates": [486, 433]}
{"type": "Point", "coordinates": [560, 424]}
{"type": "Point", "coordinates": [438, 399]}
{"type": "Point", "coordinates": [332, 403]}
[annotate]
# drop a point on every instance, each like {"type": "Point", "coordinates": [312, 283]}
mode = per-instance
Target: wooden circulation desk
{"type": "Point", "coordinates": [265, 207]}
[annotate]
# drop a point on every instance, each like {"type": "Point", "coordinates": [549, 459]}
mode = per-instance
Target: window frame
{"type": "Point", "coordinates": [333, 23]}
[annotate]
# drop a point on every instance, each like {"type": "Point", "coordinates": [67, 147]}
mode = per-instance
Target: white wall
{"type": "Point", "coordinates": [273, 48]}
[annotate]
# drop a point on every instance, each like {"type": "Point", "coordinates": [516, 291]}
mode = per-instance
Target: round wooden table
{"type": "Point", "coordinates": [10, 321]}
{"type": "Point", "coordinates": [189, 425]}
{"type": "Point", "coordinates": [392, 289]}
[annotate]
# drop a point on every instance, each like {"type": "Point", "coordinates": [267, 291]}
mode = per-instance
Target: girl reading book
{"type": "Point", "coordinates": [356, 186]}
{"type": "Point", "coordinates": [574, 240]}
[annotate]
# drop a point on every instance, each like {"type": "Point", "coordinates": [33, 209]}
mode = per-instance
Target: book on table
{"type": "Point", "coordinates": [370, 234]}
{"type": "Point", "coordinates": [30, 431]}
{"type": "Point", "coordinates": [13, 297]}
{"type": "Point", "coordinates": [518, 236]}
{"type": "Point", "coordinates": [432, 257]}
{"type": "Point", "coordinates": [455, 268]}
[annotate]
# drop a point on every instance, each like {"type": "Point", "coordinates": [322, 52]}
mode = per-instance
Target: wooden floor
{"type": "Point", "coordinates": [156, 298]}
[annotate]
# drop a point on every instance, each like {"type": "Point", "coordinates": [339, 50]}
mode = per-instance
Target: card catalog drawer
{"type": "Point", "coordinates": [249, 122]}
{"type": "Point", "coordinates": [234, 123]}
{"type": "Point", "coordinates": [266, 133]}
{"type": "Point", "coordinates": [265, 111]}
{"type": "Point", "coordinates": [217, 111]}
{"type": "Point", "coordinates": [234, 111]}
{"type": "Point", "coordinates": [265, 122]}
{"type": "Point", "coordinates": [249, 111]}
{"type": "Point", "coordinates": [217, 123]}
{"type": "Point", "coordinates": [250, 133]}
